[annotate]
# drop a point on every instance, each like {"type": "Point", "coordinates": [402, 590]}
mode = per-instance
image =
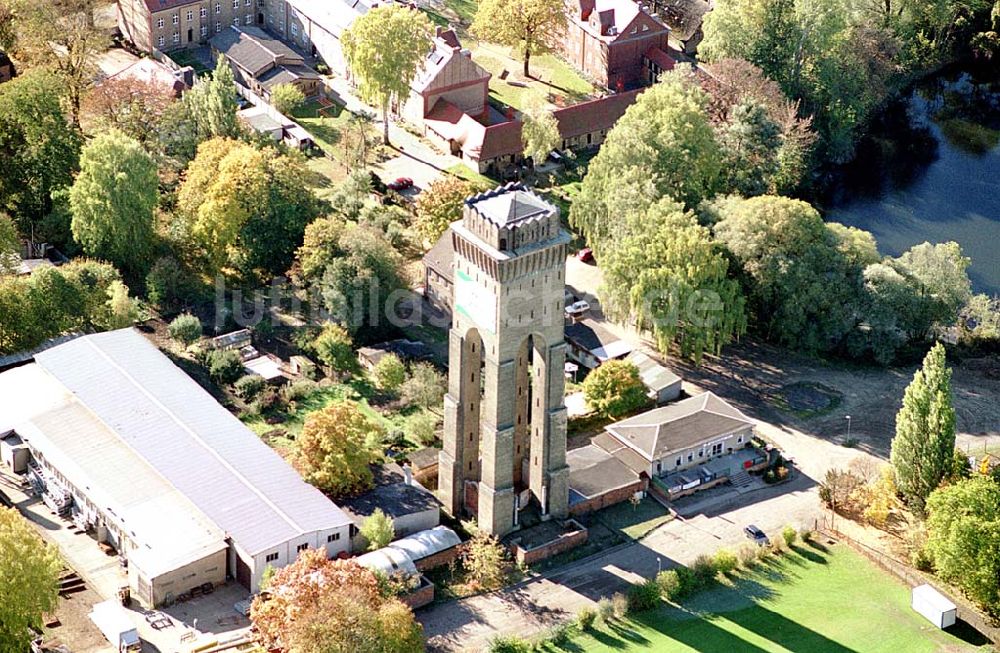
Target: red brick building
{"type": "Point", "coordinates": [608, 40]}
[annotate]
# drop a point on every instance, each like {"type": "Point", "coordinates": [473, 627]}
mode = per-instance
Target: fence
{"type": "Point", "coordinates": [913, 577]}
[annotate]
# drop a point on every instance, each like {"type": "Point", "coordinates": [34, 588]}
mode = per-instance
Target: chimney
{"type": "Point", "coordinates": [437, 30]}
{"type": "Point", "coordinates": [407, 474]}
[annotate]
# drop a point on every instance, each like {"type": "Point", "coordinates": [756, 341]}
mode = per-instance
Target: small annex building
{"type": "Point", "coordinates": [124, 443]}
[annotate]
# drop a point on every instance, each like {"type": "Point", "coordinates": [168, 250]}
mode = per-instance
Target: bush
{"type": "Point", "coordinates": [724, 561]}
{"type": "Point", "coordinates": [185, 329]}
{"type": "Point", "coordinates": [777, 546]}
{"type": "Point", "coordinates": [688, 580]}
{"type": "Point", "coordinates": [423, 428]}
{"type": "Point", "coordinates": [249, 386]}
{"type": "Point", "coordinates": [389, 373]}
{"type": "Point", "coordinates": [806, 535]}
{"type": "Point", "coordinates": [224, 366]}
{"type": "Point", "coordinates": [585, 618]}
{"type": "Point", "coordinates": [747, 553]}
{"type": "Point", "coordinates": [763, 553]}
{"type": "Point", "coordinates": [168, 285]}
{"type": "Point", "coordinates": [558, 635]}
{"type": "Point", "coordinates": [619, 605]}
{"type": "Point", "coordinates": [921, 559]}
{"type": "Point", "coordinates": [268, 400]}
{"type": "Point", "coordinates": [703, 568]}
{"type": "Point", "coordinates": [669, 584]}
{"type": "Point", "coordinates": [299, 389]}
{"type": "Point", "coordinates": [605, 610]}
{"type": "Point", "coordinates": [615, 389]}
{"type": "Point", "coordinates": [510, 644]}
{"type": "Point", "coordinates": [644, 596]}
{"type": "Point", "coordinates": [789, 534]}
{"type": "Point", "coordinates": [334, 348]}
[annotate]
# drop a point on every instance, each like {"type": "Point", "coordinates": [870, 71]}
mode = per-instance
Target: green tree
{"type": "Point", "coordinates": [39, 149]}
{"type": "Point", "coordinates": [664, 146]}
{"type": "Point", "coordinates": [378, 529]}
{"type": "Point", "coordinates": [244, 208]}
{"type": "Point", "coordinates": [615, 389]}
{"type": "Point", "coordinates": [529, 26]}
{"type": "Point", "coordinates": [359, 285]}
{"type": "Point", "coordinates": [751, 143]}
{"type": "Point", "coordinates": [485, 561]}
{"type": "Point", "coordinates": [800, 287]}
{"type": "Point", "coordinates": [540, 132]}
{"type": "Point", "coordinates": [286, 98]}
{"type": "Point", "coordinates": [10, 246]}
{"type": "Point", "coordinates": [664, 273]}
{"type": "Point", "coordinates": [440, 205]}
{"type": "Point", "coordinates": [424, 387]}
{"type": "Point", "coordinates": [389, 373]}
{"type": "Point", "coordinates": [384, 49]}
{"type": "Point", "coordinates": [941, 271]}
{"type": "Point", "coordinates": [963, 526]}
{"type": "Point", "coordinates": [334, 348]}
{"type": "Point", "coordinates": [925, 431]}
{"type": "Point", "coordinates": [333, 451]}
{"type": "Point", "coordinates": [185, 328]}
{"type": "Point", "coordinates": [212, 106]}
{"type": "Point", "coordinates": [29, 580]}
{"type": "Point", "coordinates": [122, 309]}
{"type": "Point", "coordinates": [61, 37]}
{"type": "Point", "coordinates": [113, 200]}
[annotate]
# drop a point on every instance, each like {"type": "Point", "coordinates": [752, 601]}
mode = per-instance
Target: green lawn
{"type": "Point", "coordinates": [187, 58]}
{"type": "Point", "coordinates": [812, 600]}
{"type": "Point", "coordinates": [463, 171]}
{"type": "Point", "coordinates": [325, 128]}
{"type": "Point", "coordinates": [550, 76]}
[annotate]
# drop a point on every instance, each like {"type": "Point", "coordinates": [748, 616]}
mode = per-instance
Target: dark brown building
{"type": "Point", "coordinates": [608, 40]}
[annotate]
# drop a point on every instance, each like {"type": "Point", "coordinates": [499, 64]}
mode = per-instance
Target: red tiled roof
{"type": "Point", "coordinates": [660, 58]}
{"type": "Point", "coordinates": [594, 115]}
{"type": "Point", "coordinates": [478, 141]}
{"type": "Point", "coordinates": [501, 140]}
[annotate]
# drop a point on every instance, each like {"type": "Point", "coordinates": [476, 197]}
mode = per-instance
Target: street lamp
{"type": "Point", "coordinates": [848, 417]}
{"type": "Point", "coordinates": [658, 565]}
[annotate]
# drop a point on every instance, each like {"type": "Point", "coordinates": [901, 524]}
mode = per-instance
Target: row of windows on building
{"type": "Point", "coordinates": [332, 537]}
{"type": "Point", "coordinates": [204, 12]}
{"type": "Point", "coordinates": [716, 450]}
{"type": "Point", "coordinates": [248, 20]}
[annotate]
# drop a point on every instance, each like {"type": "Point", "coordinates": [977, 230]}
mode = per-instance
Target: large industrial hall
{"type": "Point", "coordinates": [114, 436]}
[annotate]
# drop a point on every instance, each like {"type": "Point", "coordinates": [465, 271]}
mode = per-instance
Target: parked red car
{"type": "Point", "coordinates": [586, 255]}
{"type": "Point", "coordinates": [401, 183]}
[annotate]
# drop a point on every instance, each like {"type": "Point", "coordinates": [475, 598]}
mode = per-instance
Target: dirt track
{"type": "Point", "coordinates": [753, 375]}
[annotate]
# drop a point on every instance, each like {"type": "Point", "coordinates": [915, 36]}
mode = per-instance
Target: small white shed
{"type": "Point", "coordinates": [934, 606]}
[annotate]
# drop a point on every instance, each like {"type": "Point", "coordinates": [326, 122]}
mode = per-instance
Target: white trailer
{"type": "Point", "coordinates": [114, 622]}
{"type": "Point", "coordinates": [934, 606]}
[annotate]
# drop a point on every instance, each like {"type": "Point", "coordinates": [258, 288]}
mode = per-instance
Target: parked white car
{"type": "Point", "coordinates": [577, 308]}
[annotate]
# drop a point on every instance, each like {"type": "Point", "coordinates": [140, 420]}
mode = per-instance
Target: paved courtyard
{"type": "Point", "coordinates": [205, 619]}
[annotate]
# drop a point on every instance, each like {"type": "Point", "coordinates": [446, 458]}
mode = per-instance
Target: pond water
{"type": "Point", "coordinates": [930, 171]}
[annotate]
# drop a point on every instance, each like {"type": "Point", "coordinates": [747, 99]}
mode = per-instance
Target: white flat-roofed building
{"type": "Point", "coordinates": [159, 429]}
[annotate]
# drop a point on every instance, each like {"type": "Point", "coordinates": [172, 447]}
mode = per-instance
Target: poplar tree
{"type": "Point", "coordinates": [925, 431]}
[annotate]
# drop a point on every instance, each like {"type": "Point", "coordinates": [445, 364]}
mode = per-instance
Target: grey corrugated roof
{"type": "Point", "coordinates": [253, 49]}
{"type": "Point", "coordinates": [195, 443]}
{"type": "Point", "coordinates": [593, 471]}
{"type": "Point", "coordinates": [679, 426]}
{"type": "Point", "coordinates": [655, 376]}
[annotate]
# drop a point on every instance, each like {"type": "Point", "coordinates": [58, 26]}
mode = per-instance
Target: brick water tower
{"type": "Point", "coordinates": [504, 421]}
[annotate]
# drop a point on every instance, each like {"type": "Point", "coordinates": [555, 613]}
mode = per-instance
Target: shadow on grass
{"type": "Point", "coordinates": [808, 554]}
{"type": "Point", "coordinates": [967, 633]}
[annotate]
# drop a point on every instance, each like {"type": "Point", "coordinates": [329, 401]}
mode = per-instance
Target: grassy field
{"type": "Point", "coordinates": [813, 599]}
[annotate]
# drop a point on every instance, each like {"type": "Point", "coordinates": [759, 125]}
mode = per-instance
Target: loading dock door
{"type": "Point", "coordinates": [242, 573]}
